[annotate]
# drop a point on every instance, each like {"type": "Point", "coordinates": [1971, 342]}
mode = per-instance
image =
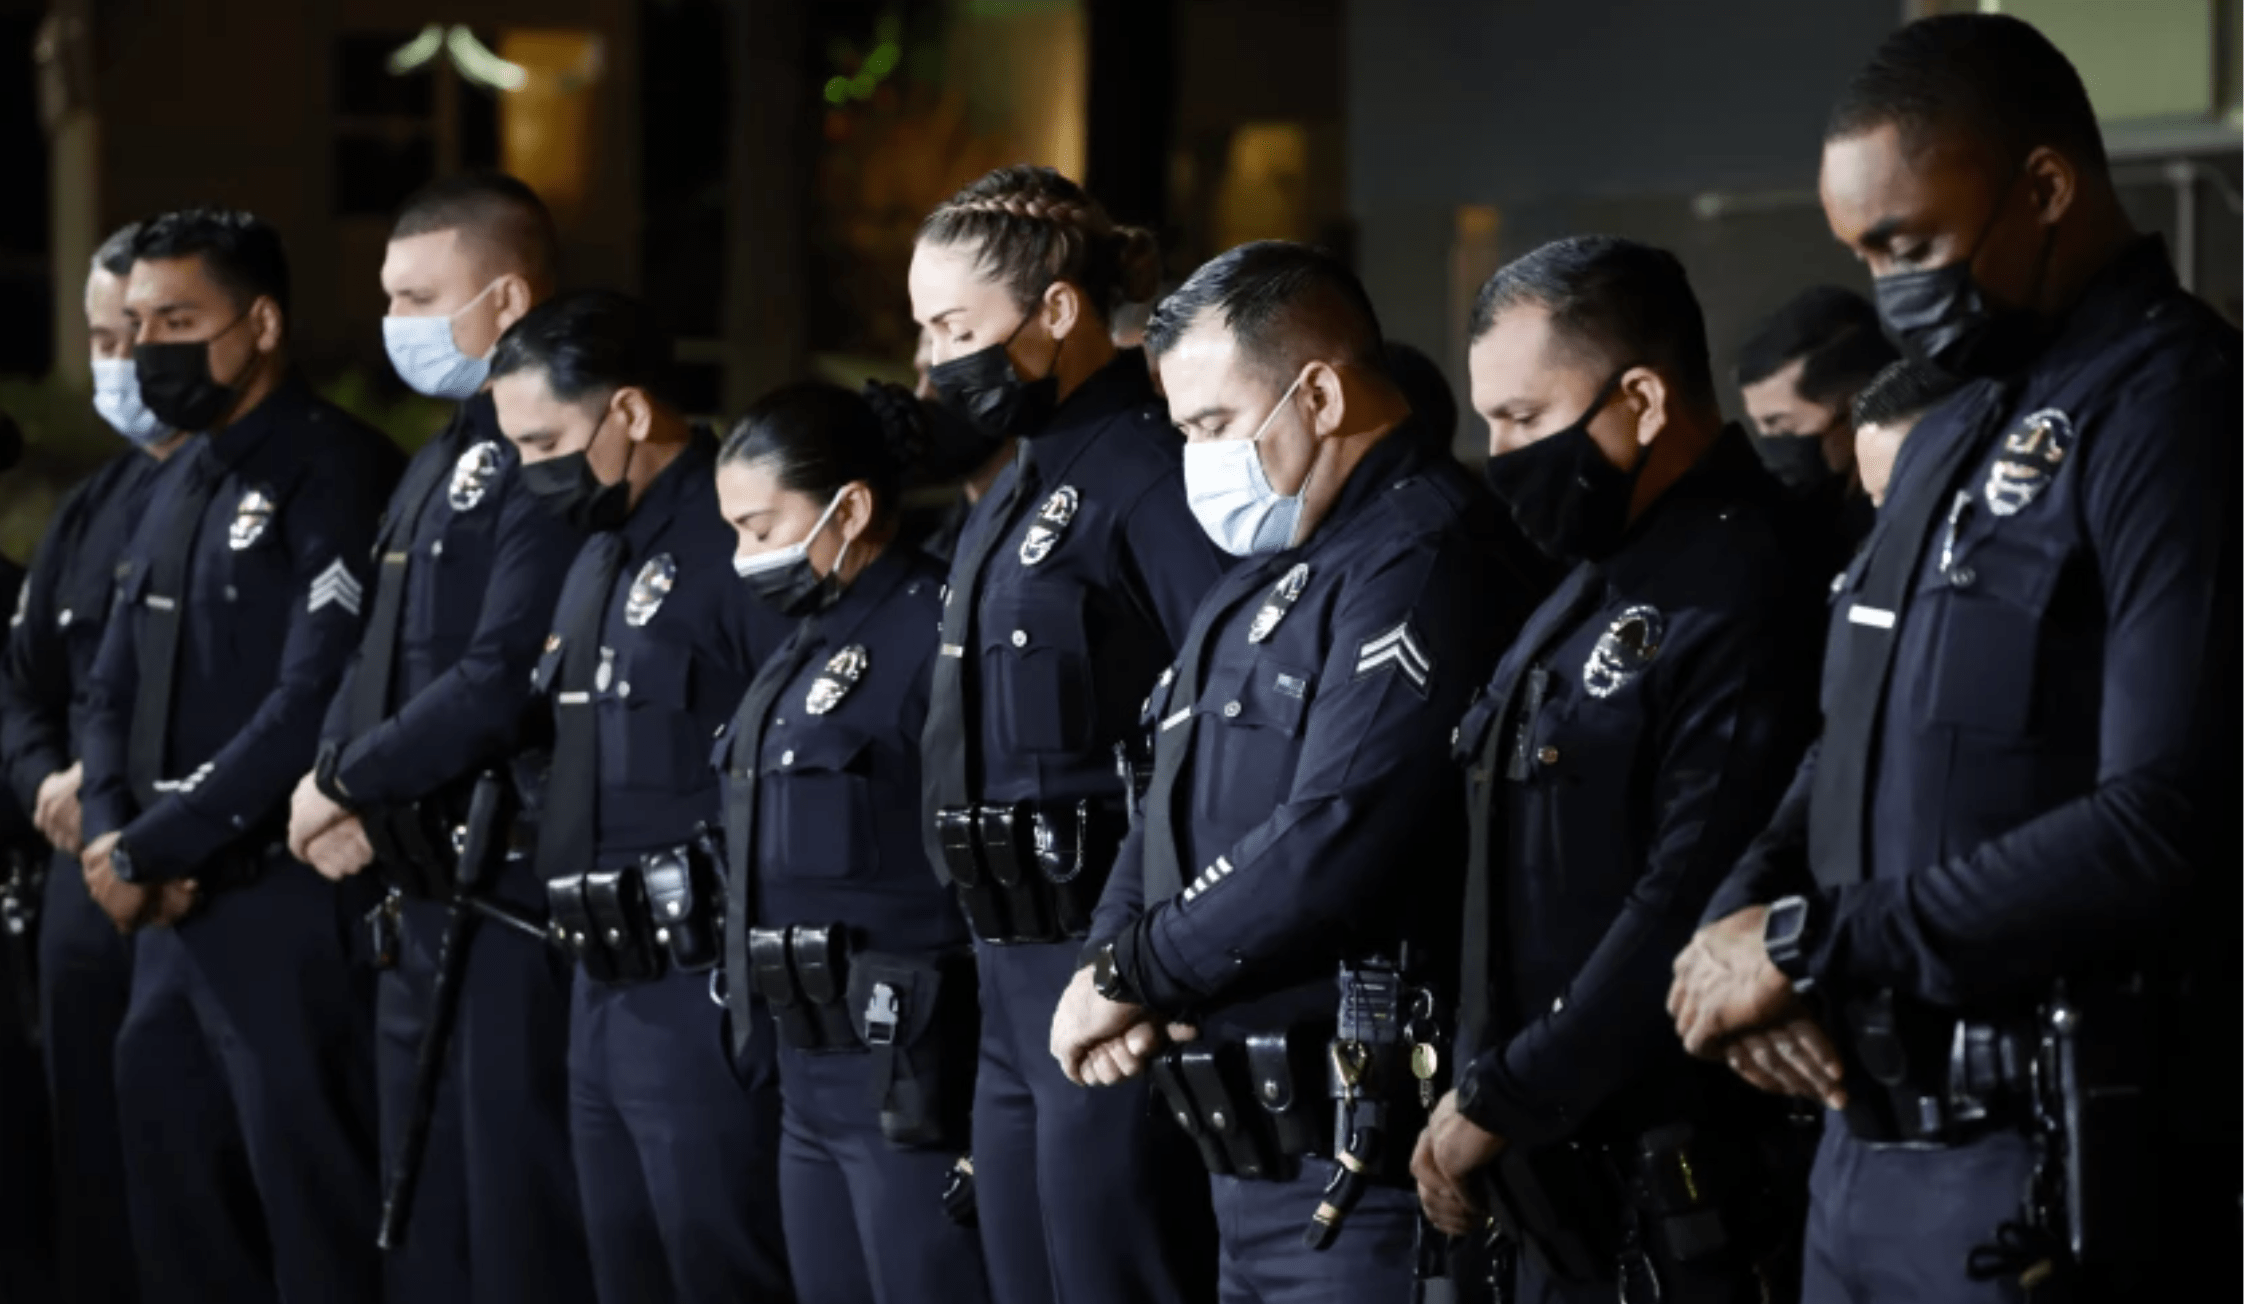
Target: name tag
{"type": "Point", "coordinates": [954, 650]}
{"type": "Point", "coordinates": [572, 699]}
{"type": "Point", "coordinates": [1179, 718]}
{"type": "Point", "coordinates": [160, 602]}
{"type": "Point", "coordinates": [1874, 617]}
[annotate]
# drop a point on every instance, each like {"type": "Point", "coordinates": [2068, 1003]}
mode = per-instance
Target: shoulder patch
{"type": "Point", "coordinates": [1396, 648]}
{"type": "Point", "coordinates": [335, 585]}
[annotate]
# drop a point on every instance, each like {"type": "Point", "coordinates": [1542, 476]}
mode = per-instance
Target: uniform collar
{"type": "Point", "coordinates": [285, 405]}
{"type": "Point", "coordinates": [2138, 276]}
{"type": "Point", "coordinates": [1122, 385]}
{"type": "Point", "coordinates": [1728, 471]}
{"type": "Point", "coordinates": [1394, 460]}
{"type": "Point", "coordinates": [477, 420]}
{"type": "Point", "coordinates": [663, 499]}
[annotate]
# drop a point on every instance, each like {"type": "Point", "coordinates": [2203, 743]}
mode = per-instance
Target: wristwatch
{"type": "Point", "coordinates": [1107, 980]}
{"type": "Point", "coordinates": [1786, 934]}
{"type": "Point", "coordinates": [120, 863]}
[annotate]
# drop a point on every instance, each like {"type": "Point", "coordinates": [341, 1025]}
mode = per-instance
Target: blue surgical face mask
{"type": "Point", "coordinates": [1231, 495]}
{"type": "Point", "coordinates": [784, 577]}
{"type": "Point", "coordinates": [117, 398]}
{"type": "Point", "coordinates": [428, 359]}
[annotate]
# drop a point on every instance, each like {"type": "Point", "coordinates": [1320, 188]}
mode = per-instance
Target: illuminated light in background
{"type": "Point", "coordinates": [470, 57]}
{"type": "Point", "coordinates": [418, 51]}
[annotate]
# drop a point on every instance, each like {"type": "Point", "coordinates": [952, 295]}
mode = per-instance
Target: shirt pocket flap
{"type": "Point", "coordinates": [1260, 695]}
{"type": "Point", "coordinates": [816, 749]}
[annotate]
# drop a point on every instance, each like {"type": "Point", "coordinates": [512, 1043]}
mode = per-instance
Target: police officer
{"type": "Point", "coordinates": [85, 967]}
{"type": "Point", "coordinates": [2017, 836]}
{"type": "Point", "coordinates": [653, 642]}
{"type": "Point", "coordinates": [239, 601]}
{"type": "Point", "coordinates": [1798, 374]}
{"type": "Point", "coordinates": [1886, 410]}
{"type": "Point", "coordinates": [462, 599]}
{"type": "Point", "coordinates": [834, 921]}
{"type": "Point", "coordinates": [1074, 579]}
{"type": "Point", "coordinates": [1629, 744]}
{"type": "Point", "coordinates": [1297, 822]}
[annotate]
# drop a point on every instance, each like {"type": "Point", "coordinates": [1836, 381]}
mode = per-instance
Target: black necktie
{"type": "Point", "coordinates": [744, 760]}
{"type": "Point", "coordinates": [1163, 872]}
{"type": "Point", "coordinates": [377, 654]}
{"type": "Point", "coordinates": [572, 791]}
{"type": "Point", "coordinates": [1582, 590]}
{"type": "Point", "coordinates": [948, 742]}
{"type": "Point", "coordinates": [156, 644]}
{"type": "Point", "coordinates": [1839, 801]}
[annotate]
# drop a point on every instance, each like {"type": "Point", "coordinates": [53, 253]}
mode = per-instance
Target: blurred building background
{"type": "Point", "coordinates": [756, 167]}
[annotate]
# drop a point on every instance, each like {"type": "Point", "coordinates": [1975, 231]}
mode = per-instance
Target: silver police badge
{"type": "Point", "coordinates": [654, 583]}
{"type": "Point", "coordinates": [1050, 524]}
{"type": "Point", "coordinates": [2030, 455]}
{"type": "Point", "coordinates": [1627, 646]}
{"type": "Point", "coordinates": [1281, 600]}
{"type": "Point", "coordinates": [252, 517]}
{"type": "Point", "coordinates": [472, 475]}
{"type": "Point", "coordinates": [841, 674]}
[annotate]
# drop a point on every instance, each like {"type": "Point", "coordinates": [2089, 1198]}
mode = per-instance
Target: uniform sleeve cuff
{"type": "Point", "coordinates": [326, 776]}
{"type": "Point", "coordinates": [1133, 960]}
{"type": "Point", "coordinates": [1491, 1100]}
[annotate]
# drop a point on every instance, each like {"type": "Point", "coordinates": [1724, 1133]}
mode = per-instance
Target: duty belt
{"type": "Point", "coordinates": [1029, 871]}
{"type": "Point", "coordinates": [636, 922]}
{"type": "Point", "coordinates": [1933, 1079]}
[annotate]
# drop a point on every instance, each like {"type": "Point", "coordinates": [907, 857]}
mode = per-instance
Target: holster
{"type": "Point", "coordinates": [1168, 1080]}
{"type": "Point", "coordinates": [957, 831]}
{"type": "Point", "coordinates": [1277, 1064]}
{"type": "Point", "coordinates": [685, 892]}
{"type": "Point", "coordinates": [920, 1021]}
{"type": "Point", "coordinates": [1073, 857]}
{"type": "Point", "coordinates": [412, 844]}
{"type": "Point", "coordinates": [572, 917]}
{"type": "Point", "coordinates": [1231, 1116]}
{"type": "Point", "coordinates": [772, 967]}
{"type": "Point", "coordinates": [1009, 853]}
{"type": "Point", "coordinates": [821, 956]}
{"type": "Point", "coordinates": [617, 901]}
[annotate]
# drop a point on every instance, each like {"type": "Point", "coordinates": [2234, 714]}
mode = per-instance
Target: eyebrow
{"type": "Point", "coordinates": [1517, 409]}
{"type": "Point", "coordinates": [1881, 233]}
{"type": "Point", "coordinates": [947, 312]}
{"type": "Point", "coordinates": [163, 308]}
{"type": "Point", "coordinates": [1203, 415]}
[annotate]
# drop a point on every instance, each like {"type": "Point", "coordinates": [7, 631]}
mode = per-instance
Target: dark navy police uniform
{"type": "Point", "coordinates": [863, 957]}
{"type": "Point", "coordinates": [654, 641]}
{"type": "Point", "coordinates": [238, 605]}
{"type": "Point", "coordinates": [1631, 743]}
{"type": "Point", "coordinates": [2028, 774]}
{"type": "Point", "coordinates": [468, 569]}
{"type": "Point", "coordinates": [1301, 816]}
{"type": "Point", "coordinates": [1075, 577]}
{"type": "Point", "coordinates": [85, 967]}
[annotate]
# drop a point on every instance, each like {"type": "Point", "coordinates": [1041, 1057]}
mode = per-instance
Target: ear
{"type": "Point", "coordinates": [1327, 398]}
{"type": "Point", "coordinates": [271, 324]}
{"type": "Point", "coordinates": [511, 301]}
{"type": "Point", "coordinates": [637, 411]}
{"type": "Point", "coordinates": [1063, 309]}
{"type": "Point", "coordinates": [2053, 182]}
{"type": "Point", "coordinates": [853, 518]}
{"type": "Point", "coordinates": [1647, 392]}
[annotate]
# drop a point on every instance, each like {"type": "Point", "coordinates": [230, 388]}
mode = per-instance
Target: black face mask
{"type": "Point", "coordinates": [983, 388]}
{"type": "Point", "coordinates": [176, 384]}
{"type": "Point", "coordinates": [1796, 461]}
{"type": "Point", "coordinates": [1568, 500]}
{"type": "Point", "coordinates": [1940, 317]}
{"type": "Point", "coordinates": [566, 487]}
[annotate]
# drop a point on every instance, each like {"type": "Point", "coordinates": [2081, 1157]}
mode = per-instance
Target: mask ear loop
{"type": "Point", "coordinates": [1293, 537]}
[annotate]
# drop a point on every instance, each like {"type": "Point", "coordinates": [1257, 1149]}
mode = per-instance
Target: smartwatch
{"type": "Point", "coordinates": [120, 863]}
{"type": "Point", "coordinates": [1108, 981]}
{"type": "Point", "coordinates": [1786, 934]}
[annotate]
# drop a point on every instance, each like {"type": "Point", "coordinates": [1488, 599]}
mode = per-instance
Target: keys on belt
{"type": "Point", "coordinates": [1029, 872]}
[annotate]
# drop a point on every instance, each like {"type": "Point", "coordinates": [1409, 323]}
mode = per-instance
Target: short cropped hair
{"type": "Point", "coordinates": [1281, 302]}
{"type": "Point", "coordinates": [1989, 77]}
{"type": "Point", "coordinates": [491, 210]}
{"type": "Point", "coordinates": [1903, 391]}
{"type": "Point", "coordinates": [589, 342]}
{"type": "Point", "coordinates": [238, 250]}
{"type": "Point", "coordinates": [115, 254]}
{"type": "Point", "coordinates": [1832, 332]}
{"type": "Point", "coordinates": [1612, 301]}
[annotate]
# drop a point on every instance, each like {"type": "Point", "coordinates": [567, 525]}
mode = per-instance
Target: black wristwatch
{"type": "Point", "coordinates": [1786, 934]}
{"type": "Point", "coordinates": [120, 863]}
{"type": "Point", "coordinates": [1107, 980]}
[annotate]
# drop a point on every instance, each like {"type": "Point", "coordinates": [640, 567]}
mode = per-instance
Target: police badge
{"type": "Point", "coordinates": [2029, 457]}
{"type": "Point", "coordinates": [1627, 646]}
{"type": "Point", "coordinates": [252, 517]}
{"type": "Point", "coordinates": [1050, 524]}
{"type": "Point", "coordinates": [841, 674]}
{"type": "Point", "coordinates": [1281, 600]}
{"type": "Point", "coordinates": [655, 581]}
{"type": "Point", "coordinates": [472, 475]}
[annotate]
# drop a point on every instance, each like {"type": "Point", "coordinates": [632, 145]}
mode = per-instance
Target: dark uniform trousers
{"type": "Point", "coordinates": [1076, 572]}
{"type": "Point", "coordinates": [253, 1016]}
{"type": "Point", "coordinates": [85, 967]}
{"type": "Point", "coordinates": [676, 1156]}
{"type": "Point", "coordinates": [1299, 780]}
{"type": "Point", "coordinates": [2028, 769]}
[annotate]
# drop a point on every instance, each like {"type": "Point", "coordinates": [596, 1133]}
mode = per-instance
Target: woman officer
{"type": "Point", "coordinates": [866, 968]}
{"type": "Point", "coordinates": [1074, 579]}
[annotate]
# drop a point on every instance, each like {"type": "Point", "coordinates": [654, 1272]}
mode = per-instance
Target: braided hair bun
{"type": "Point", "coordinates": [1031, 226]}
